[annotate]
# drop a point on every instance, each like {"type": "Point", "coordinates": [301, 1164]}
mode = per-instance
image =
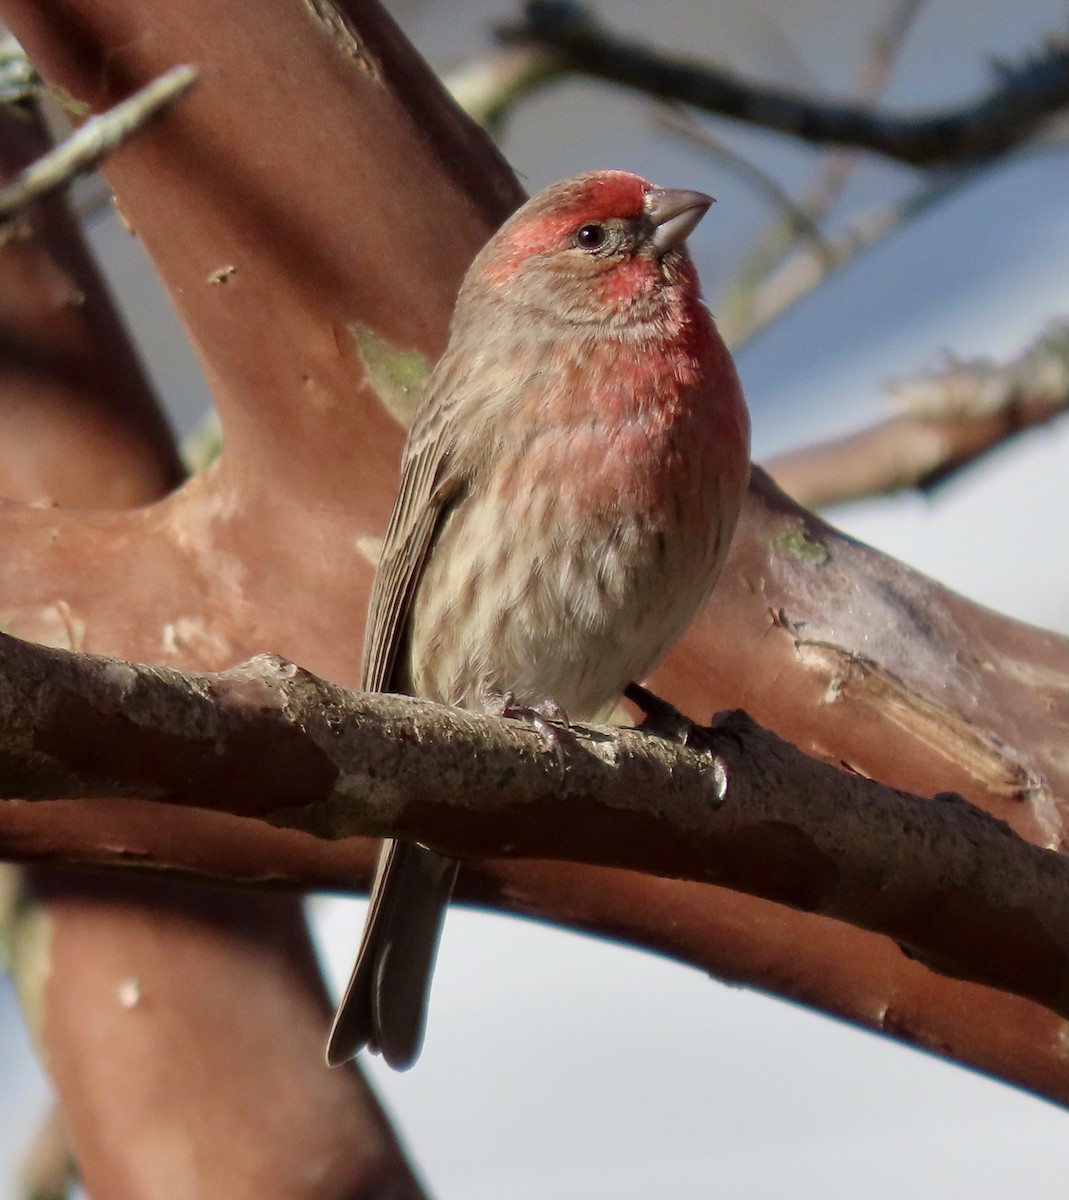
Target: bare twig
{"type": "Point", "coordinates": [795, 219]}
{"type": "Point", "coordinates": [1025, 95]}
{"type": "Point", "coordinates": [18, 77]}
{"type": "Point", "coordinates": [837, 166]}
{"type": "Point", "coordinates": [955, 416]}
{"type": "Point", "coordinates": [96, 139]}
{"type": "Point", "coordinates": [268, 740]}
{"type": "Point", "coordinates": [871, 78]}
{"type": "Point", "coordinates": [808, 266]}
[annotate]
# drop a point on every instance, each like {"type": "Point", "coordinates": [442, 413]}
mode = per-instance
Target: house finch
{"type": "Point", "coordinates": [569, 489]}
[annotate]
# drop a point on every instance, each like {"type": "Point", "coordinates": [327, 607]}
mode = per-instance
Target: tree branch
{"type": "Point", "coordinates": [165, 1057]}
{"type": "Point", "coordinates": [19, 80]}
{"type": "Point", "coordinates": [761, 294]}
{"type": "Point", "coordinates": [1009, 114]}
{"type": "Point", "coordinates": [737, 807]}
{"type": "Point", "coordinates": [93, 141]}
{"type": "Point", "coordinates": [49, 1170]}
{"type": "Point", "coordinates": [954, 416]}
{"type": "Point", "coordinates": [848, 654]}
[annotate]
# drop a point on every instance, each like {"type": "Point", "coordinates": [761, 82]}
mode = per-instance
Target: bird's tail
{"type": "Point", "coordinates": [385, 1005]}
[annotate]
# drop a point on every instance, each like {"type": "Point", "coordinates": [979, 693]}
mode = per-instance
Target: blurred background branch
{"type": "Point", "coordinates": [84, 148]}
{"type": "Point", "coordinates": [554, 39]}
{"type": "Point", "coordinates": [952, 416]}
{"type": "Point", "coordinates": [1024, 96]}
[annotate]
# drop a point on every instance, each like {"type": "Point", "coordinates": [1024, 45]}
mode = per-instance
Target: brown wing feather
{"type": "Point", "coordinates": [429, 488]}
{"type": "Point", "coordinates": [384, 1005]}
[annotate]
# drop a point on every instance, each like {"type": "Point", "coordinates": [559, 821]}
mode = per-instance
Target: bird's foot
{"type": "Point", "coordinates": [661, 718]}
{"type": "Point", "coordinates": [546, 716]}
{"type": "Point", "coordinates": [666, 721]}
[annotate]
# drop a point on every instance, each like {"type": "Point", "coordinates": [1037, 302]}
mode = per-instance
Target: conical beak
{"type": "Point", "coordinates": [674, 213]}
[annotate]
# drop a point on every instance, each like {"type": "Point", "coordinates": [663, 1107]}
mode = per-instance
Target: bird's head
{"type": "Point", "coordinates": [604, 248]}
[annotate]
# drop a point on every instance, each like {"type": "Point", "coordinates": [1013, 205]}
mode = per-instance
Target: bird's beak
{"type": "Point", "coordinates": [673, 213]}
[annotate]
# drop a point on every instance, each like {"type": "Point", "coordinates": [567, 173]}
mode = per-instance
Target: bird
{"type": "Point", "coordinates": [569, 488]}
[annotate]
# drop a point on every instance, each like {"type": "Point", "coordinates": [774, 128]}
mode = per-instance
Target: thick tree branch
{"type": "Point", "coordinates": [1009, 114]}
{"type": "Point", "coordinates": [953, 417]}
{"type": "Point", "coordinates": [79, 426]}
{"type": "Point", "coordinates": [79, 423]}
{"type": "Point", "coordinates": [742, 808]}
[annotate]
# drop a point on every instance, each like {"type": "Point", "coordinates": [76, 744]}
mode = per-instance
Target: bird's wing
{"type": "Point", "coordinates": [430, 486]}
{"type": "Point", "coordinates": [385, 1004]}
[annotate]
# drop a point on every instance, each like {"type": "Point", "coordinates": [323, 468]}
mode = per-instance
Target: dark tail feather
{"type": "Point", "coordinates": [385, 1004]}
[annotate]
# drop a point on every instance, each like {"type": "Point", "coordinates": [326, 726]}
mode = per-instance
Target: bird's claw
{"type": "Point", "coordinates": [661, 718]}
{"type": "Point", "coordinates": [547, 717]}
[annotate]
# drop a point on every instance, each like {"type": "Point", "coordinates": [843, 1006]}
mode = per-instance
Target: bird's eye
{"type": "Point", "coordinates": [590, 237]}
